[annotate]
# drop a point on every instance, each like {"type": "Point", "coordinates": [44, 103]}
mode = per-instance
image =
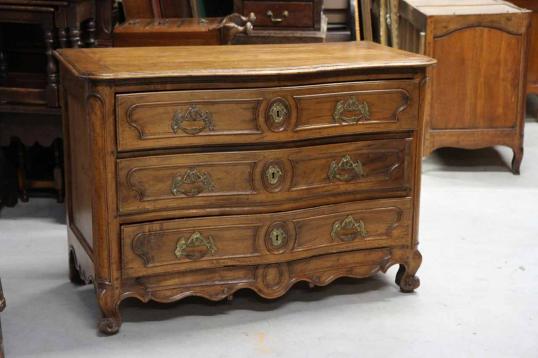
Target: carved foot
{"type": "Point", "coordinates": [109, 325]}
{"type": "Point", "coordinates": [406, 277]}
{"type": "Point", "coordinates": [516, 161]}
{"type": "Point", "coordinates": [110, 321]}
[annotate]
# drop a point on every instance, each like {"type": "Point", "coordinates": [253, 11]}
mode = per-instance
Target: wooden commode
{"type": "Point", "coordinates": [478, 86]}
{"type": "Point", "coordinates": [204, 170]}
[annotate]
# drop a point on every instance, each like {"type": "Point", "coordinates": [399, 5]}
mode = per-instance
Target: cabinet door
{"type": "Point", "coordinates": [476, 80]}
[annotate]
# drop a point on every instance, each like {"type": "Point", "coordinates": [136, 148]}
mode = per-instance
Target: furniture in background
{"type": "Point", "coordinates": [532, 80]}
{"type": "Point", "coordinates": [29, 99]}
{"type": "Point", "coordinates": [284, 21]}
{"type": "Point", "coordinates": [179, 32]}
{"type": "Point", "coordinates": [478, 85]}
{"type": "Point", "coordinates": [158, 9]}
{"type": "Point", "coordinates": [2, 307]}
{"type": "Point", "coordinates": [208, 172]}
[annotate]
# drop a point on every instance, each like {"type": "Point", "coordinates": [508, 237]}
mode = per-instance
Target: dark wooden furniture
{"type": "Point", "coordinates": [532, 79]}
{"type": "Point", "coordinates": [29, 31]}
{"type": "Point", "coordinates": [478, 86]}
{"type": "Point", "coordinates": [181, 32]}
{"type": "Point", "coordinates": [284, 21]}
{"type": "Point", "coordinates": [213, 169]}
{"type": "Point", "coordinates": [2, 307]}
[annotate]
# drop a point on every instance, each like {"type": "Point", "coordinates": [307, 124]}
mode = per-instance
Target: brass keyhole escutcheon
{"type": "Point", "coordinates": [278, 114]}
{"type": "Point", "coordinates": [278, 238]}
{"type": "Point", "coordinates": [273, 174]}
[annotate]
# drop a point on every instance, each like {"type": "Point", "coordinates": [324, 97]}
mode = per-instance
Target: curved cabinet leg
{"type": "Point", "coordinates": [110, 321]}
{"type": "Point", "coordinates": [516, 161]}
{"type": "Point", "coordinates": [406, 277]}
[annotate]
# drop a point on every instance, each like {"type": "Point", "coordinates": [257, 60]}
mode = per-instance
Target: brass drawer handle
{"type": "Point", "coordinates": [195, 247]}
{"type": "Point", "coordinates": [192, 183]}
{"type": "Point", "coordinates": [346, 170]}
{"type": "Point", "coordinates": [193, 121]}
{"type": "Point", "coordinates": [351, 111]}
{"type": "Point", "coordinates": [348, 229]}
{"type": "Point", "coordinates": [277, 20]}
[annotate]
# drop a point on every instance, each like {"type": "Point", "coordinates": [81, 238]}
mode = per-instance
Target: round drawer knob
{"type": "Point", "coordinates": [278, 114]}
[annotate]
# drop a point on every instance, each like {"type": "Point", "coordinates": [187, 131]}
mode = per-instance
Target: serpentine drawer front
{"type": "Point", "coordinates": [205, 170]}
{"type": "Point", "coordinates": [261, 179]}
{"type": "Point", "coordinates": [185, 118]}
{"type": "Point", "coordinates": [190, 244]}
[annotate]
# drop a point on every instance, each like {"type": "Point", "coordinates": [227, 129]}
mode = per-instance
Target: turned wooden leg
{"type": "Point", "coordinates": [74, 37]}
{"type": "Point", "coordinates": [110, 321]}
{"type": "Point", "coordinates": [516, 161]}
{"type": "Point", "coordinates": [52, 69]}
{"type": "Point", "coordinates": [90, 33]}
{"type": "Point", "coordinates": [62, 38]}
{"type": "Point", "coordinates": [406, 277]}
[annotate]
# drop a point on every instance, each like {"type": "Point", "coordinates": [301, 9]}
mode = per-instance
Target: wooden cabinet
{"type": "Point", "coordinates": [192, 176]}
{"type": "Point", "coordinates": [478, 85]}
{"type": "Point", "coordinates": [532, 80]}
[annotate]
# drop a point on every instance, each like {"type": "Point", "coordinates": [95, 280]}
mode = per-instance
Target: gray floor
{"type": "Point", "coordinates": [479, 293]}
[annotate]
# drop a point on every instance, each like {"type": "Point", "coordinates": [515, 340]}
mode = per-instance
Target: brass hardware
{"type": "Point", "coordinates": [193, 121]}
{"type": "Point", "coordinates": [348, 229]}
{"type": "Point", "coordinates": [273, 174]}
{"type": "Point", "coordinates": [195, 247]}
{"type": "Point", "coordinates": [345, 170]}
{"type": "Point", "coordinates": [278, 112]}
{"type": "Point", "coordinates": [278, 237]}
{"type": "Point", "coordinates": [277, 20]}
{"type": "Point", "coordinates": [350, 111]}
{"type": "Point", "coordinates": [192, 183]}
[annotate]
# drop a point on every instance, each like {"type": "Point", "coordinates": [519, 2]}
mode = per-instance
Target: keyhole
{"type": "Point", "coordinates": [278, 236]}
{"type": "Point", "coordinates": [273, 175]}
{"type": "Point", "coordinates": [278, 114]}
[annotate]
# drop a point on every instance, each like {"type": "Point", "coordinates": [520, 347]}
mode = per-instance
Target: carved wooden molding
{"type": "Point", "coordinates": [274, 280]}
{"type": "Point", "coordinates": [360, 97]}
{"type": "Point", "coordinates": [142, 135]}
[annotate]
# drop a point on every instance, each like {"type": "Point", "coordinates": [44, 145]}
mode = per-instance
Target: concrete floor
{"type": "Point", "coordinates": [479, 293]}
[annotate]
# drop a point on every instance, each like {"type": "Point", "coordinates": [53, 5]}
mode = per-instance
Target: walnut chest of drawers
{"type": "Point", "coordinates": [204, 170]}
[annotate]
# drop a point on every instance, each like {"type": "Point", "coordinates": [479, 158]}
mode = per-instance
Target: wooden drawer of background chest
{"type": "Point", "coordinates": [277, 179]}
{"type": "Point", "coordinates": [189, 118]}
{"type": "Point", "coordinates": [281, 14]}
{"type": "Point", "coordinates": [191, 244]}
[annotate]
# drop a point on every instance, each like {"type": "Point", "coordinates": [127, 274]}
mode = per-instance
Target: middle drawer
{"type": "Point", "coordinates": [263, 180]}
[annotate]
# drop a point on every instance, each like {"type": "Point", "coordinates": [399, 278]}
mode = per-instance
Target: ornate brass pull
{"type": "Point", "coordinates": [348, 229]}
{"type": "Point", "coordinates": [273, 174]}
{"type": "Point", "coordinates": [192, 183]}
{"type": "Point", "coordinates": [193, 121]}
{"type": "Point", "coordinates": [278, 238]}
{"type": "Point", "coordinates": [345, 170]}
{"type": "Point", "coordinates": [350, 111]}
{"type": "Point", "coordinates": [277, 20]}
{"type": "Point", "coordinates": [195, 247]}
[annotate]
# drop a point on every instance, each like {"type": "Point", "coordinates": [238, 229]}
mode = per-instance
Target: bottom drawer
{"type": "Point", "coordinates": [192, 244]}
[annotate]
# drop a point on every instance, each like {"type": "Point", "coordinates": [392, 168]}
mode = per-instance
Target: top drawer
{"type": "Point", "coordinates": [212, 117]}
